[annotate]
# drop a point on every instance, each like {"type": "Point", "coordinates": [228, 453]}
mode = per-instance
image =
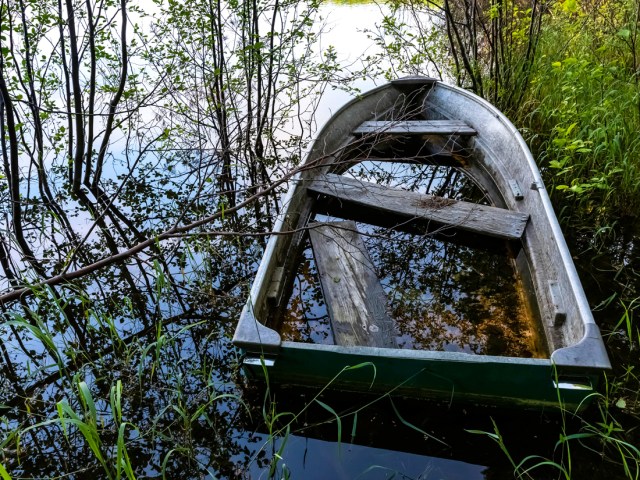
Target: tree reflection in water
{"type": "Point", "coordinates": [120, 121]}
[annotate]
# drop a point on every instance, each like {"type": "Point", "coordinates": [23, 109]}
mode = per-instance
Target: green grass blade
{"type": "Point", "coordinates": [362, 365]}
{"type": "Point", "coordinates": [412, 426]}
{"type": "Point", "coordinates": [115, 400]}
{"type": "Point", "coordinates": [4, 474]}
{"type": "Point", "coordinates": [167, 457]}
{"type": "Point", "coordinates": [543, 462]}
{"type": "Point", "coordinates": [122, 456]}
{"type": "Point", "coordinates": [87, 401]}
{"type": "Point", "coordinates": [337, 417]}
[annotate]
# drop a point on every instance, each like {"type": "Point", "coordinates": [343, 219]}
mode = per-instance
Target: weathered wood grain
{"type": "Point", "coordinates": [415, 127]}
{"type": "Point", "coordinates": [407, 206]}
{"type": "Point", "coordinates": [355, 299]}
{"type": "Point", "coordinates": [445, 159]}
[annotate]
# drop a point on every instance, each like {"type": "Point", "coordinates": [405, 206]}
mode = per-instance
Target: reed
{"type": "Point", "coordinates": [86, 424]}
{"type": "Point", "coordinates": [628, 324]}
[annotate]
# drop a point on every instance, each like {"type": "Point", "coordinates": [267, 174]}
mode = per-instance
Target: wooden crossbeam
{"type": "Point", "coordinates": [355, 299]}
{"type": "Point", "coordinates": [377, 200]}
{"type": "Point", "coordinates": [415, 127]}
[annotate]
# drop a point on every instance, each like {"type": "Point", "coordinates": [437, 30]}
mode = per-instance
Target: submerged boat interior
{"type": "Point", "coordinates": [442, 289]}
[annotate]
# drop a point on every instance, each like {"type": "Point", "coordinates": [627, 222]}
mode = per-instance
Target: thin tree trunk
{"type": "Point", "coordinates": [77, 99]}
{"type": "Point", "coordinates": [113, 105]}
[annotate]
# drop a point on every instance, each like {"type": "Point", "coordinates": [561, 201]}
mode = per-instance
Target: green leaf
{"type": "Point", "coordinates": [556, 164]}
{"type": "Point", "coordinates": [570, 6]}
{"type": "Point", "coordinates": [87, 402]}
{"type": "Point", "coordinates": [625, 33]}
{"type": "Point", "coordinates": [4, 474]}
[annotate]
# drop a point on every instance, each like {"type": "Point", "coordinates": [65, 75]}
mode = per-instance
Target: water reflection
{"type": "Point", "coordinates": [305, 319]}
{"type": "Point", "coordinates": [313, 459]}
{"type": "Point", "coordinates": [442, 295]}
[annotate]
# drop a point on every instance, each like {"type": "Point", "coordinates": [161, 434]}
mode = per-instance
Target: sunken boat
{"type": "Point", "coordinates": [417, 253]}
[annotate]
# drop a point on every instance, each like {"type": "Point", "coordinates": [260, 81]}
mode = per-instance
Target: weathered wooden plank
{"type": "Point", "coordinates": [445, 159]}
{"type": "Point", "coordinates": [407, 206]}
{"type": "Point", "coordinates": [355, 299]}
{"type": "Point", "coordinates": [415, 127]}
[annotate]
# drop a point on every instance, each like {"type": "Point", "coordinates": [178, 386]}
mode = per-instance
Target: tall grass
{"type": "Point", "coordinates": [88, 425]}
{"type": "Point", "coordinates": [582, 112]}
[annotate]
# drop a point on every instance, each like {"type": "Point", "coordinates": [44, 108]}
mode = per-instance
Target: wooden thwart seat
{"type": "Point", "coordinates": [377, 200]}
{"type": "Point", "coordinates": [415, 127]}
{"type": "Point", "coordinates": [355, 300]}
{"type": "Point", "coordinates": [440, 157]}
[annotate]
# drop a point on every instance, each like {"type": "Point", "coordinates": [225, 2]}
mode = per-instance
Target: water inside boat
{"type": "Point", "coordinates": [443, 292]}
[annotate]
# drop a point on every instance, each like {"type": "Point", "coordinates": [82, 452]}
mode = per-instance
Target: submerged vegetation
{"type": "Point", "coordinates": [143, 152]}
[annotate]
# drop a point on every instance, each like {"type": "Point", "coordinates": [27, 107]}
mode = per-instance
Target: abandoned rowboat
{"type": "Point", "coordinates": [420, 246]}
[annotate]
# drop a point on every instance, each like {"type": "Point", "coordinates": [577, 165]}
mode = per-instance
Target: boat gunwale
{"type": "Point", "coordinates": [406, 354]}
